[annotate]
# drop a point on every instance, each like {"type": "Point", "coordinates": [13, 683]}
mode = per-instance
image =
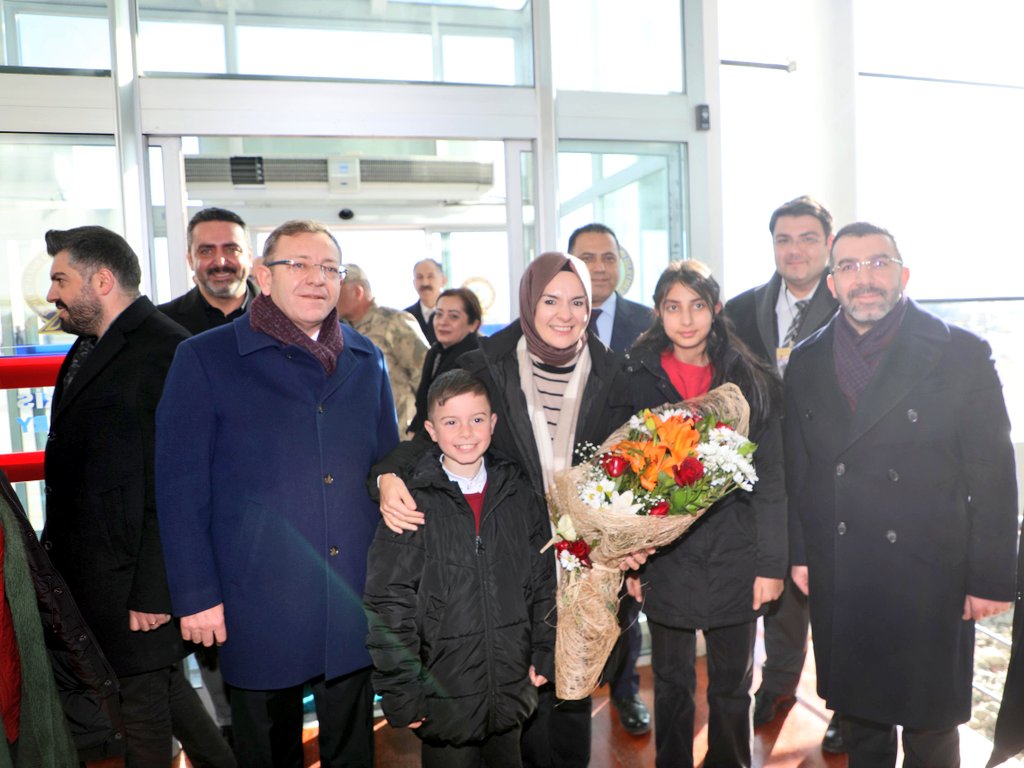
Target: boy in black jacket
{"type": "Point", "coordinates": [458, 609]}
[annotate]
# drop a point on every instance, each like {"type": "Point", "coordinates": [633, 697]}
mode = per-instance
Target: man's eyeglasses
{"type": "Point", "coordinates": [330, 272]}
{"type": "Point", "coordinates": [872, 264]}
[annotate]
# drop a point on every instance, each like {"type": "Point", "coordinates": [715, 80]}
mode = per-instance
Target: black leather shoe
{"type": "Point", "coordinates": [768, 704]}
{"type": "Point", "coordinates": [633, 714]}
{"type": "Point", "coordinates": [833, 742]}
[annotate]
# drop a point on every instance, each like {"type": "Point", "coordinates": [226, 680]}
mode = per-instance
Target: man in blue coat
{"type": "Point", "coordinates": [266, 432]}
{"type": "Point", "coordinates": [903, 506]}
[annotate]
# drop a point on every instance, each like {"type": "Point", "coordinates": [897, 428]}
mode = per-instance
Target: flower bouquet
{"type": "Point", "coordinates": [642, 488]}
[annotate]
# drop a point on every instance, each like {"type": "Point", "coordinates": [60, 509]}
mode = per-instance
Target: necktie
{"type": "Point", "coordinates": [592, 323]}
{"type": "Point", "coordinates": [800, 309]}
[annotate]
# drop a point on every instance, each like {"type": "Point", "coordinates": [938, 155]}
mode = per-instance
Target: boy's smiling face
{"type": "Point", "coordinates": [462, 427]}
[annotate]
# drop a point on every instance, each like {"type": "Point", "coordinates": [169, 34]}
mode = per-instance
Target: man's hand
{"type": "Point", "coordinates": [636, 559]}
{"type": "Point", "coordinates": [766, 590]}
{"type": "Point", "coordinates": [634, 589]}
{"type": "Point", "coordinates": [801, 578]}
{"type": "Point", "coordinates": [140, 621]}
{"type": "Point", "coordinates": [397, 506]}
{"type": "Point", "coordinates": [206, 627]}
{"type": "Point", "coordinates": [979, 608]}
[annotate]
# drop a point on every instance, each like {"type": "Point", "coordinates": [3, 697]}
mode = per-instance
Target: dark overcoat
{"type": "Point", "coordinates": [631, 319]}
{"type": "Point", "coordinates": [261, 464]}
{"type": "Point", "coordinates": [741, 537]}
{"type": "Point", "coordinates": [900, 509]}
{"type": "Point", "coordinates": [191, 311]}
{"type": "Point", "coordinates": [101, 527]}
{"type": "Point", "coordinates": [753, 316]}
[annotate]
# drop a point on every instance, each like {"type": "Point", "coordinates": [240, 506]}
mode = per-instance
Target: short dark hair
{"type": "Point", "coordinates": [297, 227]}
{"type": "Point", "coordinates": [594, 228]}
{"type": "Point", "coordinates": [861, 229]}
{"type": "Point", "coordinates": [452, 384]}
{"type": "Point", "coordinates": [91, 248]}
{"type": "Point", "coordinates": [214, 214]}
{"type": "Point", "coordinates": [803, 206]}
{"type": "Point", "coordinates": [470, 302]}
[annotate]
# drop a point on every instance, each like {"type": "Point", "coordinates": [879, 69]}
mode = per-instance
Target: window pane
{"type": "Point", "coordinates": [333, 53]}
{"type": "Point", "coordinates": [636, 194]}
{"type": "Point", "coordinates": [484, 60]}
{"type": "Point", "coordinates": [944, 181]}
{"type": "Point", "coordinates": [161, 44]}
{"type": "Point", "coordinates": [429, 41]}
{"type": "Point", "coordinates": [942, 39]}
{"type": "Point", "coordinates": [610, 45]}
{"type": "Point", "coordinates": [69, 42]}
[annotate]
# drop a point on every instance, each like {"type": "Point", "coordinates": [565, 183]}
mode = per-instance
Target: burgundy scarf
{"type": "Point", "coordinates": [858, 355]}
{"type": "Point", "coordinates": [266, 317]}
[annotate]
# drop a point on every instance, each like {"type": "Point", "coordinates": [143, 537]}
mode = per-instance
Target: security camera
{"type": "Point", "coordinates": [346, 213]}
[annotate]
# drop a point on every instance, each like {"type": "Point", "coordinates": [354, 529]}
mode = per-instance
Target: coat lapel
{"type": "Point", "coordinates": [821, 308]}
{"type": "Point", "coordinates": [913, 355]}
{"type": "Point", "coordinates": [765, 297]}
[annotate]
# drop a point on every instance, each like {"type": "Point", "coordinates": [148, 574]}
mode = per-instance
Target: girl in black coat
{"type": "Point", "coordinates": [725, 570]}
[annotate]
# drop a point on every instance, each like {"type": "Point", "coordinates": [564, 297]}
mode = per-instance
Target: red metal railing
{"type": "Point", "coordinates": [18, 373]}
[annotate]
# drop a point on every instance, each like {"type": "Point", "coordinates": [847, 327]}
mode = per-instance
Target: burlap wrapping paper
{"type": "Point", "coordinates": [588, 600]}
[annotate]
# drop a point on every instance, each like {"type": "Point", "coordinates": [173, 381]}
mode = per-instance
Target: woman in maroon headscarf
{"type": "Point", "coordinates": [552, 386]}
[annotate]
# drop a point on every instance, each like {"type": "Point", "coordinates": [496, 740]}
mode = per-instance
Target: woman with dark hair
{"type": "Point", "coordinates": [553, 386]}
{"type": "Point", "coordinates": [722, 574]}
{"type": "Point", "coordinates": [456, 319]}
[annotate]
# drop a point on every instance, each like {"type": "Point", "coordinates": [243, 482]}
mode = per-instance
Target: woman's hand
{"type": "Point", "coordinates": [535, 679]}
{"type": "Point", "coordinates": [397, 506]}
{"type": "Point", "coordinates": [766, 590]}
{"type": "Point", "coordinates": [636, 559]}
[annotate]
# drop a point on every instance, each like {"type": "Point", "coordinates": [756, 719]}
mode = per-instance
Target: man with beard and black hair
{"type": "Point", "coordinates": [101, 528]}
{"type": "Point", "coordinates": [220, 255]}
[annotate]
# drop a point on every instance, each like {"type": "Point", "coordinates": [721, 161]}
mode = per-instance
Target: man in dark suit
{"type": "Point", "coordinates": [101, 527]}
{"type": "Point", "coordinates": [617, 322]}
{"type": "Point", "coordinates": [429, 280]}
{"type": "Point", "coordinates": [771, 319]}
{"type": "Point", "coordinates": [220, 256]}
{"type": "Point", "coordinates": [903, 505]}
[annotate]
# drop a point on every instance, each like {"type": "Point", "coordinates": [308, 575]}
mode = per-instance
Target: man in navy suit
{"type": "Point", "coordinates": [618, 323]}
{"type": "Point", "coordinates": [429, 280]}
{"type": "Point", "coordinates": [620, 320]}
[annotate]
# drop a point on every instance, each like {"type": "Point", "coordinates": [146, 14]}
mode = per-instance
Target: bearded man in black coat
{"type": "Point", "coordinates": [101, 528]}
{"type": "Point", "coordinates": [903, 506]}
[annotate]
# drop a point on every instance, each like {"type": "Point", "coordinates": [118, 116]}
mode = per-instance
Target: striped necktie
{"type": "Point", "coordinates": [800, 309]}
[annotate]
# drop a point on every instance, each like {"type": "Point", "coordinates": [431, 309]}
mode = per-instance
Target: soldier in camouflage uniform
{"type": "Point", "coordinates": [396, 333]}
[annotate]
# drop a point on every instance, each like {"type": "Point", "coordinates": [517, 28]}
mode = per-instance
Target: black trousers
{"type": "Point", "coordinates": [785, 641]}
{"type": "Point", "coordinates": [624, 680]}
{"type": "Point", "coordinates": [156, 704]}
{"type": "Point", "coordinates": [268, 724]}
{"type": "Point", "coordinates": [558, 734]}
{"type": "Point", "coordinates": [730, 674]}
{"type": "Point", "coordinates": [873, 745]}
{"type": "Point", "coordinates": [499, 750]}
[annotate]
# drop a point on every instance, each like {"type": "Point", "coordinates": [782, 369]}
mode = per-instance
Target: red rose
{"type": "Point", "coordinates": [721, 424]}
{"type": "Point", "coordinates": [614, 465]}
{"type": "Point", "coordinates": [659, 510]}
{"type": "Point", "coordinates": [689, 471]}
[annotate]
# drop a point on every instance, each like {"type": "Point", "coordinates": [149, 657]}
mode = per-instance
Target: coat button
{"type": "Point", "coordinates": [58, 591]}
{"type": "Point", "coordinates": [47, 489]}
{"type": "Point", "coordinates": [328, 478]}
{"type": "Point", "coordinates": [894, 475]}
{"type": "Point", "coordinates": [841, 529]}
{"type": "Point", "coordinates": [891, 536]}
{"type": "Point", "coordinates": [321, 408]}
{"type": "Point", "coordinates": [47, 545]}
{"type": "Point", "coordinates": [334, 551]}
{"type": "Point", "coordinates": [840, 469]}
{"type": "Point", "coordinates": [912, 416]}
{"type": "Point", "coordinates": [808, 415]}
